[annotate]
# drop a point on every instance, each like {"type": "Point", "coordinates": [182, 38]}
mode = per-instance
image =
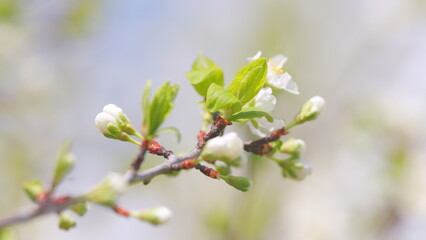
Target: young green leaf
{"type": "Point", "coordinates": [66, 222]}
{"type": "Point", "coordinates": [248, 113]}
{"type": "Point", "coordinates": [79, 208]}
{"type": "Point", "coordinates": [145, 96]}
{"type": "Point", "coordinates": [241, 183]}
{"type": "Point", "coordinates": [202, 62]}
{"type": "Point", "coordinates": [66, 161]}
{"type": "Point", "coordinates": [219, 98]}
{"type": "Point", "coordinates": [249, 80]}
{"type": "Point", "coordinates": [204, 72]}
{"type": "Point", "coordinates": [159, 108]}
{"type": "Point", "coordinates": [33, 189]}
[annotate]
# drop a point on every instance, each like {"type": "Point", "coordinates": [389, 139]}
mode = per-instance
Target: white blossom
{"type": "Point", "coordinates": [229, 146]}
{"type": "Point", "coordinates": [265, 100]}
{"type": "Point", "coordinates": [265, 127]}
{"type": "Point", "coordinates": [276, 76]}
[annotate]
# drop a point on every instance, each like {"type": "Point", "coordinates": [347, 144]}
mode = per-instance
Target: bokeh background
{"type": "Point", "coordinates": [62, 61]}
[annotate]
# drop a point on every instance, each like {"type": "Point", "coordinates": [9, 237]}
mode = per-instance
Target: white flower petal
{"type": "Point", "coordinates": [265, 100]}
{"type": "Point", "coordinates": [216, 147]}
{"type": "Point", "coordinates": [255, 57]}
{"type": "Point", "coordinates": [102, 120]}
{"type": "Point", "coordinates": [277, 61]}
{"type": "Point", "coordinates": [163, 214]}
{"type": "Point", "coordinates": [318, 103]}
{"type": "Point", "coordinates": [292, 87]}
{"type": "Point", "coordinates": [234, 145]}
{"type": "Point", "coordinates": [266, 127]}
{"type": "Point", "coordinates": [279, 80]}
{"type": "Point", "coordinates": [113, 110]}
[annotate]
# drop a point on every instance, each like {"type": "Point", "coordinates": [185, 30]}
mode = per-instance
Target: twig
{"type": "Point", "coordinates": [132, 176]}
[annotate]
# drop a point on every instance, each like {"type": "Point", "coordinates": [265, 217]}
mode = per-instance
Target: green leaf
{"type": "Point", "coordinates": [249, 80]}
{"type": "Point", "coordinates": [204, 72]}
{"type": "Point", "coordinates": [240, 183]}
{"type": "Point", "coordinates": [202, 62]}
{"type": "Point", "coordinates": [66, 222]}
{"type": "Point", "coordinates": [65, 163]}
{"type": "Point", "coordinates": [145, 96]}
{"type": "Point", "coordinates": [248, 113]}
{"type": "Point", "coordinates": [79, 208]}
{"type": "Point", "coordinates": [201, 79]}
{"type": "Point", "coordinates": [7, 234]}
{"type": "Point", "coordinates": [219, 98]}
{"type": "Point", "coordinates": [159, 108]}
{"type": "Point", "coordinates": [33, 189]}
{"type": "Point", "coordinates": [173, 130]}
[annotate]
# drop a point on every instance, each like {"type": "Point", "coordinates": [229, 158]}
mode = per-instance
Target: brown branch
{"type": "Point", "coordinates": [132, 176]}
{"type": "Point", "coordinates": [262, 146]}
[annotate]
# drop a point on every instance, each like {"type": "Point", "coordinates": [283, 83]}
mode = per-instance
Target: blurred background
{"type": "Point", "coordinates": [62, 61]}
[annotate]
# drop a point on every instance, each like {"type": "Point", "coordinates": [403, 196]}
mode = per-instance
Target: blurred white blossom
{"type": "Point", "coordinates": [229, 146]}
{"type": "Point", "coordinates": [276, 76]}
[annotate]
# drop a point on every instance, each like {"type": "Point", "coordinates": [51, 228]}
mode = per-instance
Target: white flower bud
{"type": "Point", "coordinates": [102, 121]}
{"type": "Point", "coordinates": [107, 191]}
{"type": "Point", "coordinates": [229, 146]}
{"type": "Point", "coordinates": [311, 109]}
{"type": "Point", "coordinates": [318, 103]}
{"type": "Point", "coordinates": [156, 215]}
{"type": "Point", "coordinates": [302, 169]}
{"type": "Point", "coordinates": [293, 145]}
{"type": "Point", "coordinates": [265, 100]}
{"type": "Point", "coordinates": [234, 145]}
{"type": "Point", "coordinates": [113, 110]}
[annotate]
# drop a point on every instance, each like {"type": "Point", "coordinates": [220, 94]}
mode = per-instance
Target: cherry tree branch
{"type": "Point", "coordinates": [55, 205]}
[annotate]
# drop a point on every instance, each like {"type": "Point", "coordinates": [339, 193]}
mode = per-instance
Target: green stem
{"type": "Point", "coordinates": [134, 141]}
{"type": "Point", "coordinates": [293, 124]}
{"type": "Point", "coordinates": [138, 135]}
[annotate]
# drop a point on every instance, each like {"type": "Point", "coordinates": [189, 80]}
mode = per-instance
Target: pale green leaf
{"type": "Point", "coordinates": [249, 80]}
{"type": "Point", "coordinates": [219, 98]}
{"type": "Point", "coordinates": [249, 113]}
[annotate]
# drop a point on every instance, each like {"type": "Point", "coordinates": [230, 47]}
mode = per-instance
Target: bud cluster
{"type": "Point", "coordinates": [113, 123]}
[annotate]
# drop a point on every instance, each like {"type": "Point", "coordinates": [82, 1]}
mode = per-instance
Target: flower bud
{"type": "Point", "coordinates": [107, 125]}
{"type": "Point", "coordinates": [79, 208]}
{"type": "Point", "coordinates": [34, 189]}
{"type": "Point", "coordinates": [228, 146]}
{"type": "Point", "coordinates": [66, 222]}
{"type": "Point", "coordinates": [156, 215]}
{"type": "Point", "coordinates": [311, 109]}
{"type": "Point", "coordinates": [107, 191]}
{"type": "Point", "coordinates": [66, 161]}
{"type": "Point", "coordinates": [112, 122]}
{"type": "Point", "coordinates": [241, 183]}
{"type": "Point", "coordinates": [297, 170]}
{"type": "Point", "coordinates": [293, 146]}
